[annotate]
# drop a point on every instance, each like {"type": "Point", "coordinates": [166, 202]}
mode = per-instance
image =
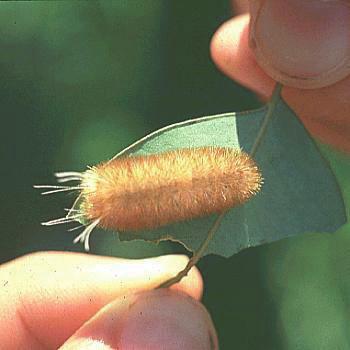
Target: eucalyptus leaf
{"type": "Point", "coordinates": [300, 193]}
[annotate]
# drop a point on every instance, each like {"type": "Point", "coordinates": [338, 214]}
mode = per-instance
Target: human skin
{"type": "Point", "coordinates": [84, 302]}
{"type": "Point", "coordinates": [77, 301]}
{"type": "Point", "coordinates": [303, 44]}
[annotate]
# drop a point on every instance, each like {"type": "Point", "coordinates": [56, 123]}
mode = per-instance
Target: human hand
{"type": "Point", "coordinates": [92, 302]}
{"type": "Point", "coordinates": [303, 44]}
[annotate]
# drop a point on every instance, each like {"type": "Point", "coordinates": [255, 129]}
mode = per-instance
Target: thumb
{"type": "Point", "coordinates": [157, 319]}
{"type": "Point", "coordinates": [304, 44]}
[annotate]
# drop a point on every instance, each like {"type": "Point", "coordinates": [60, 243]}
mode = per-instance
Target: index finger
{"type": "Point", "coordinates": [46, 297]}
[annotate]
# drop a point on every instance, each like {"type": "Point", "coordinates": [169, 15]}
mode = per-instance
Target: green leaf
{"type": "Point", "coordinates": [300, 193]}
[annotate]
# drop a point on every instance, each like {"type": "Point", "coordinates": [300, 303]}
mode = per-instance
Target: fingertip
{"type": "Point", "coordinates": [224, 45]}
{"type": "Point", "coordinates": [168, 266]}
{"type": "Point", "coordinates": [230, 51]}
{"type": "Point", "coordinates": [192, 284]}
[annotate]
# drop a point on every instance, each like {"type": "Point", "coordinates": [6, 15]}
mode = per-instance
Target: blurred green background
{"type": "Point", "coordinates": [82, 80]}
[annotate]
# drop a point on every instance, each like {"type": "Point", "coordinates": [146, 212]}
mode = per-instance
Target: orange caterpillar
{"type": "Point", "coordinates": [147, 192]}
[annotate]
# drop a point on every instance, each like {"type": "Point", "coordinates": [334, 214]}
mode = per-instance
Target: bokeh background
{"type": "Point", "coordinates": [82, 80]}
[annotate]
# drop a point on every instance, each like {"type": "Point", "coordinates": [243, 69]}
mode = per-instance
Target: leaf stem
{"type": "Point", "coordinates": [203, 247]}
{"type": "Point", "coordinates": [270, 109]}
{"type": "Point", "coordinates": [196, 256]}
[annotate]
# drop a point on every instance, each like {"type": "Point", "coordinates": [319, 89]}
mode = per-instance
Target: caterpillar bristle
{"type": "Point", "coordinates": [57, 221]}
{"type": "Point", "coordinates": [61, 174]}
{"type": "Point", "coordinates": [68, 176]}
{"type": "Point", "coordinates": [84, 237]}
{"type": "Point", "coordinates": [57, 188]}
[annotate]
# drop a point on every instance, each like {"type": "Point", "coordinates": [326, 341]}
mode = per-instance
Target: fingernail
{"type": "Point", "coordinates": [158, 319]}
{"type": "Point", "coordinates": [302, 43]}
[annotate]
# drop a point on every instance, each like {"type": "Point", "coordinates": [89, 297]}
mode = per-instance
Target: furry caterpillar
{"type": "Point", "coordinates": [147, 192]}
